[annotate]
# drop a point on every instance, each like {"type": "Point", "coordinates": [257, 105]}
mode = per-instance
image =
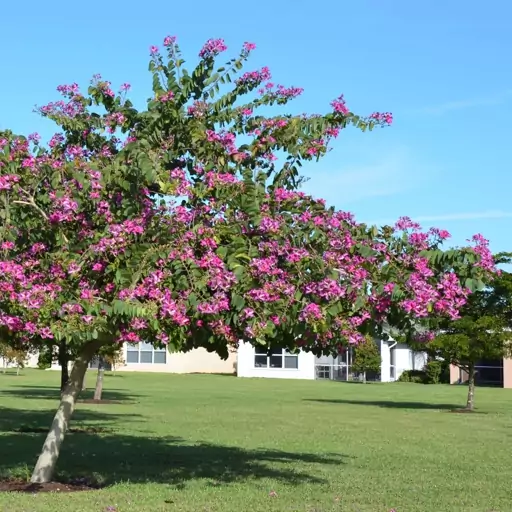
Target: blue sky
{"type": "Point", "coordinates": [442, 68]}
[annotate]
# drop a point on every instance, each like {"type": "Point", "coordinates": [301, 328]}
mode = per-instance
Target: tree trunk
{"type": "Point", "coordinates": [470, 405]}
{"type": "Point", "coordinates": [84, 381]}
{"type": "Point", "coordinates": [99, 380]}
{"type": "Point", "coordinates": [364, 377]}
{"type": "Point", "coordinates": [17, 371]}
{"type": "Point", "coordinates": [64, 375]}
{"type": "Point", "coordinates": [64, 366]}
{"type": "Point", "coordinates": [47, 461]}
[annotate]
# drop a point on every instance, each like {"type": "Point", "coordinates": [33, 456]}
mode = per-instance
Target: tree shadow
{"type": "Point", "coordinates": [387, 404]}
{"type": "Point", "coordinates": [111, 458]}
{"type": "Point", "coordinates": [53, 393]}
{"type": "Point", "coordinates": [22, 420]}
{"type": "Point", "coordinates": [215, 374]}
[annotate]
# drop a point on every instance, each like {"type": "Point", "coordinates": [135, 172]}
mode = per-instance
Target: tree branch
{"type": "Point", "coordinates": [31, 202]}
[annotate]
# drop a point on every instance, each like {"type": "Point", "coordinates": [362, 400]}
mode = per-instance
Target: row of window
{"type": "Point", "coordinates": [275, 358]}
{"type": "Point", "coordinates": [145, 353]}
{"type": "Point", "coordinates": [263, 358]}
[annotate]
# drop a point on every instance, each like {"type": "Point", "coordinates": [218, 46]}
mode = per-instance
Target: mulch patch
{"type": "Point", "coordinates": [98, 402]}
{"type": "Point", "coordinates": [16, 485]}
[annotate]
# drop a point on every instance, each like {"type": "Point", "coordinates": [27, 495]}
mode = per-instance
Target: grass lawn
{"type": "Point", "coordinates": [218, 443]}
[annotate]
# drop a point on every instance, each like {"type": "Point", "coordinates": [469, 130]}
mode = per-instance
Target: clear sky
{"type": "Point", "coordinates": [443, 68]}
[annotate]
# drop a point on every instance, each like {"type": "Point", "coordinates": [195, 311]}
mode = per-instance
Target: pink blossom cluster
{"type": "Point", "coordinates": [385, 118]}
{"type": "Point", "coordinates": [169, 40]}
{"type": "Point", "coordinates": [254, 78]}
{"type": "Point", "coordinates": [225, 139]}
{"type": "Point", "coordinates": [339, 105]}
{"type": "Point", "coordinates": [7, 181]}
{"type": "Point", "coordinates": [212, 48]}
{"type": "Point", "coordinates": [281, 93]}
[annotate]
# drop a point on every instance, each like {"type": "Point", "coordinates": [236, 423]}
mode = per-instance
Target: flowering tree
{"type": "Point", "coordinates": [183, 224]}
{"type": "Point", "coordinates": [483, 331]}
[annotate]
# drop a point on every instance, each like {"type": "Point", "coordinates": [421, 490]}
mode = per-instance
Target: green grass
{"type": "Point", "coordinates": [218, 443]}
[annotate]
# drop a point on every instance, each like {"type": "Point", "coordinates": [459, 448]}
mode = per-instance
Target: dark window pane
{"type": "Point", "coordinates": [276, 361]}
{"type": "Point", "coordinates": [160, 357]}
{"type": "Point", "coordinates": [276, 351]}
{"type": "Point", "coordinates": [260, 361]}
{"type": "Point", "coordinates": [261, 350]}
{"type": "Point", "coordinates": [146, 357]}
{"type": "Point", "coordinates": [132, 356]}
{"type": "Point", "coordinates": [291, 362]}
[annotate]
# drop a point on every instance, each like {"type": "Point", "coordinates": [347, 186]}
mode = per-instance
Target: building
{"type": "Point", "coordinates": [494, 373]}
{"type": "Point", "coordinates": [280, 364]}
{"type": "Point", "coordinates": [251, 361]}
{"type": "Point", "coordinates": [145, 358]}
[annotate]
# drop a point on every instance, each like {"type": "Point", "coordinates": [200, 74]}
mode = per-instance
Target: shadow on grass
{"type": "Point", "coordinates": [215, 374]}
{"type": "Point", "coordinates": [111, 458]}
{"type": "Point", "coordinates": [387, 404]}
{"type": "Point", "coordinates": [22, 420]}
{"type": "Point", "coordinates": [53, 393]}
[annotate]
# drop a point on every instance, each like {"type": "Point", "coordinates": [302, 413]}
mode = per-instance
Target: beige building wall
{"type": "Point", "coordinates": [197, 360]}
{"type": "Point", "coordinates": [507, 373]}
{"type": "Point", "coordinates": [454, 374]}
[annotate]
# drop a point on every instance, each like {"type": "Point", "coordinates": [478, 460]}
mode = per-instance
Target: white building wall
{"type": "Point", "coordinates": [406, 359]}
{"type": "Point", "coordinates": [246, 367]}
{"type": "Point", "coordinates": [419, 360]}
{"type": "Point", "coordinates": [385, 368]}
{"type": "Point", "coordinates": [30, 363]}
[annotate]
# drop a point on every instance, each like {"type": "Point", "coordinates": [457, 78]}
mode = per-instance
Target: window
{"type": "Point", "coordinates": [323, 372]}
{"type": "Point", "coordinates": [145, 353]}
{"type": "Point", "coordinates": [275, 358]}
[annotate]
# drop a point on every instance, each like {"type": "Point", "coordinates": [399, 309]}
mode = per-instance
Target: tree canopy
{"type": "Point", "coordinates": [482, 332]}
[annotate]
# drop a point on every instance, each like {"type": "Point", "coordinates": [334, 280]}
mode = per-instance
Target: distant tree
{"type": "Point", "coordinates": [366, 357]}
{"type": "Point", "coordinates": [482, 332]}
{"type": "Point", "coordinates": [115, 359]}
{"type": "Point", "coordinates": [13, 355]}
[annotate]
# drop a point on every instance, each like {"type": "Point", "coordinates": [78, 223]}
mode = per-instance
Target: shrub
{"type": "Point", "coordinates": [433, 370]}
{"type": "Point", "coordinates": [416, 376]}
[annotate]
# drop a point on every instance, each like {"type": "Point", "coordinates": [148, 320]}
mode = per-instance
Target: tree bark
{"type": "Point", "coordinates": [47, 461]}
{"type": "Point", "coordinates": [84, 381]}
{"type": "Point", "coordinates": [470, 405]}
{"type": "Point", "coordinates": [99, 379]}
{"type": "Point", "coordinates": [64, 376]}
{"type": "Point", "coordinates": [364, 377]}
{"type": "Point", "coordinates": [64, 366]}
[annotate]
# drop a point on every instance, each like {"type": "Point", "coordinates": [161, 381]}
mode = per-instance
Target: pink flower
{"type": "Point", "coordinates": [339, 105]}
{"type": "Point", "coordinates": [169, 40]}
{"type": "Point", "coordinates": [248, 47]}
{"type": "Point", "coordinates": [212, 47]}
